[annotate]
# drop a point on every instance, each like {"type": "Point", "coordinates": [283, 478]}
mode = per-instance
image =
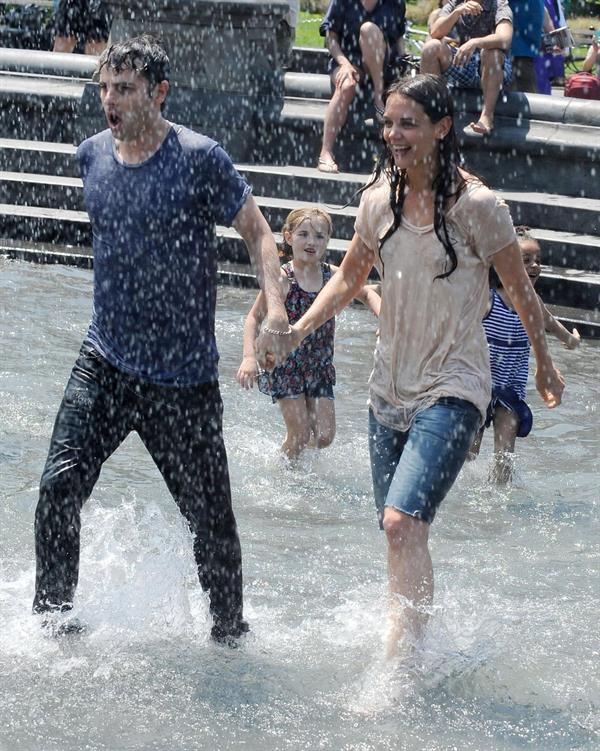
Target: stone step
{"type": "Point", "coordinates": [559, 151]}
{"type": "Point", "coordinates": [560, 285]}
{"type": "Point", "coordinates": [38, 157]}
{"type": "Point", "coordinates": [309, 60]}
{"type": "Point", "coordinates": [309, 85]}
{"type": "Point", "coordinates": [44, 108]}
{"type": "Point", "coordinates": [521, 151]}
{"type": "Point", "coordinates": [568, 216]}
{"type": "Point", "coordinates": [587, 321]}
{"type": "Point", "coordinates": [53, 64]}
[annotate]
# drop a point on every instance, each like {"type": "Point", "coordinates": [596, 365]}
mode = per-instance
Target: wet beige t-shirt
{"type": "Point", "coordinates": [432, 343]}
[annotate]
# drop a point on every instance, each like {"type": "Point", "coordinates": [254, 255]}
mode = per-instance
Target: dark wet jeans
{"type": "Point", "coordinates": [181, 428]}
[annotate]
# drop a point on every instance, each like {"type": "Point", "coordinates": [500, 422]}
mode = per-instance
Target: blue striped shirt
{"type": "Point", "coordinates": [509, 346]}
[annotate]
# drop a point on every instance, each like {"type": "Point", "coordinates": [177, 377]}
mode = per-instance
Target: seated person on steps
{"type": "Point", "coordinates": [362, 37]}
{"type": "Point", "coordinates": [482, 58]}
{"type": "Point", "coordinates": [591, 64]}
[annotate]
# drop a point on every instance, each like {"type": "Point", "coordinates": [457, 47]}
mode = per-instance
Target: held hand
{"type": "Point", "coordinates": [274, 341]}
{"type": "Point", "coordinates": [247, 372]}
{"type": "Point", "coordinates": [465, 52]}
{"type": "Point", "coordinates": [270, 359]}
{"type": "Point", "coordinates": [550, 384]}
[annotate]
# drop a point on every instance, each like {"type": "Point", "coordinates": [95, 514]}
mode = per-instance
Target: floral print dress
{"type": "Point", "coordinates": [311, 364]}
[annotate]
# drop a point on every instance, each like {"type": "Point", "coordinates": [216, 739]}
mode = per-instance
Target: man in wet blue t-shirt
{"type": "Point", "coordinates": [154, 192]}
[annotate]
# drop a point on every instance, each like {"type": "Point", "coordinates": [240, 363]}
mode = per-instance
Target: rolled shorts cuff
{"type": "Point", "coordinates": [413, 471]}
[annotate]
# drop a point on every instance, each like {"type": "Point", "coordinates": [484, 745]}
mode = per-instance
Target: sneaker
{"type": "Point", "coordinates": [228, 634]}
{"type": "Point", "coordinates": [55, 625]}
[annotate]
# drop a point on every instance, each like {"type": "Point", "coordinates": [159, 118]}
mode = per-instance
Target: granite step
{"type": "Point", "coordinates": [568, 216]}
{"type": "Point", "coordinates": [573, 287]}
{"type": "Point", "coordinates": [587, 321]}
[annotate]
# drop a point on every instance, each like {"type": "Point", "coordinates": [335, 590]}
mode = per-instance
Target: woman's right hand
{"type": "Point", "coordinates": [550, 384]}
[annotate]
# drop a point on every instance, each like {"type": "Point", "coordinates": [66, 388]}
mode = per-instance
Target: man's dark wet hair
{"type": "Point", "coordinates": [144, 54]}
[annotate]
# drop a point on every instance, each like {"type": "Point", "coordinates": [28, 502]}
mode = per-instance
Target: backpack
{"type": "Point", "coordinates": [583, 86]}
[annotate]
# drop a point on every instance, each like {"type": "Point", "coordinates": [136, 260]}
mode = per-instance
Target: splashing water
{"type": "Point", "coordinates": [510, 658]}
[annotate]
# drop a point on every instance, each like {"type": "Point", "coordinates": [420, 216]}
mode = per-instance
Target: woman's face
{"type": "Point", "coordinates": [412, 138]}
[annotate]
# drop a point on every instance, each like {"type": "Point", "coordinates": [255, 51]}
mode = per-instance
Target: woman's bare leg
{"type": "Point", "coordinates": [373, 49]}
{"type": "Point", "coordinates": [410, 574]}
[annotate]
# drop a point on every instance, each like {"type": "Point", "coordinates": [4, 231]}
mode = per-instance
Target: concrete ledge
{"type": "Point", "coordinates": [47, 63]}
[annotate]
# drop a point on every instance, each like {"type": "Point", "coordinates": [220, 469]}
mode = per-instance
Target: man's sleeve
{"type": "Point", "coordinates": [225, 189]}
{"type": "Point", "coordinates": [81, 155]}
{"type": "Point", "coordinates": [503, 12]}
{"type": "Point", "coordinates": [334, 17]}
{"type": "Point", "coordinates": [449, 7]}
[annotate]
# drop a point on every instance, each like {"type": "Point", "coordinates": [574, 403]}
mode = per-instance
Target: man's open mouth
{"type": "Point", "coordinates": [113, 119]}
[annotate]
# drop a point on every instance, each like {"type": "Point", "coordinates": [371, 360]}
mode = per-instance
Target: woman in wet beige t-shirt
{"type": "Point", "coordinates": [432, 230]}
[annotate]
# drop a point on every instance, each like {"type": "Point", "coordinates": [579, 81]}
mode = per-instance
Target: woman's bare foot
{"type": "Point", "coordinates": [327, 164]}
{"type": "Point", "coordinates": [484, 126]}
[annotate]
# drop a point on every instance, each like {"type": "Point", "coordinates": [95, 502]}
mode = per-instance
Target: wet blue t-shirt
{"type": "Point", "coordinates": [155, 253]}
{"type": "Point", "coordinates": [528, 21]}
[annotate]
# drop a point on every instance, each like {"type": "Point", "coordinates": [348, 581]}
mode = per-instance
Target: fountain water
{"type": "Point", "coordinates": [510, 658]}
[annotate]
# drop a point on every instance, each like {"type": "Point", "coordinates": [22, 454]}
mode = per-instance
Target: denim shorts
{"type": "Point", "coordinates": [414, 470]}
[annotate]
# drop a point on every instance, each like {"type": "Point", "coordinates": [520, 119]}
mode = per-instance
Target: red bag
{"type": "Point", "coordinates": [583, 86]}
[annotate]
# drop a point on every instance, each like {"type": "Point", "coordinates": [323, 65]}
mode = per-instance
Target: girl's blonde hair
{"type": "Point", "coordinates": [296, 217]}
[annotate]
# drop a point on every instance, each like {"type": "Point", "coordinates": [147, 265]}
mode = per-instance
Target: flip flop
{"type": "Point", "coordinates": [480, 128]}
{"type": "Point", "coordinates": [328, 166]}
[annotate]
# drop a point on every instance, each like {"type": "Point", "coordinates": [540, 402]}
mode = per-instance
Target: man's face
{"type": "Point", "coordinates": [129, 106]}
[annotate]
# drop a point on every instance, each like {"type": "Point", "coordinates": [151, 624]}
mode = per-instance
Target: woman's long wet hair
{"type": "Point", "coordinates": [431, 92]}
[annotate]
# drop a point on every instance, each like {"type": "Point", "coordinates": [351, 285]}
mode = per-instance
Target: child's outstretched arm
{"type": "Point", "coordinates": [369, 294]}
{"type": "Point", "coordinates": [555, 327]}
{"type": "Point", "coordinates": [248, 369]}
{"type": "Point", "coordinates": [508, 263]}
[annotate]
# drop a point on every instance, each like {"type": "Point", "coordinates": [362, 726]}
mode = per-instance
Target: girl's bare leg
{"type": "Point", "coordinates": [321, 414]}
{"type": "Point", "coordinates": [506, 425]}
{"type": "Point", "coordinates": [297, 423]}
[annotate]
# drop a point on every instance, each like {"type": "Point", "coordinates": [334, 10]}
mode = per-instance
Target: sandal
{"type": "Point", "coordinates": [328, 166]}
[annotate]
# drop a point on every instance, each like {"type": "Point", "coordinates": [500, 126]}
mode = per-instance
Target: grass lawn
{"type": "Point", "coordinates": [307, 31]}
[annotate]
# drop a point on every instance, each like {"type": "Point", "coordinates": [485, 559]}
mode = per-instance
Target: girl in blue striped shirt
{"type": "Point", "coordinates": [509, 360]}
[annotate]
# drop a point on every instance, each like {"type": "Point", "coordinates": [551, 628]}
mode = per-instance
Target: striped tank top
{"type": "Point", "coordinates": [509, 346]}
